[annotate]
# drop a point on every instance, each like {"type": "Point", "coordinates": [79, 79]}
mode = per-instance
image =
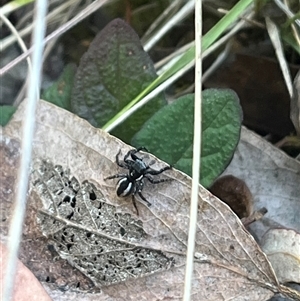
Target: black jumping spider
{"type": "Point", "coordinates": [133, 182]}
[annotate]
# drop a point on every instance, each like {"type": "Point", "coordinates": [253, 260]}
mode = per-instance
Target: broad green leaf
{"type": "Point", "coordinates": [113, 71]}
{"type": "Point", "coordinates": [169, 133]}
{"type": "Point", "coordinates": [5, 114]}
{"type": "Point", "coordinates": [60, 92]}
{"type": "Point", "coordinates": [210, 37]}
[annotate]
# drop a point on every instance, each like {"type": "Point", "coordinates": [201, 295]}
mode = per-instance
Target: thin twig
{"type": "Point", "coordinates": [185, 11]}
{"type": "Point", "coordinates": [166, 14]}
{"type": "Point", "coordinates": [170, 60]}
{"type": "Point", "coordinates": [55, 34]}
{"type": "Point", "coordinates": [287, 11]}
{"type": "Point", "coordinates": [18, 37]}
{"type": "Point", "coordinates": [275, 39]}
{"type": "Point", "coordinates": [50, 45]}
{"type": "Point", "coordinates": [16, 222]}
{"type": "Point", "coordinates": [11, 6]}
{"type": "Point", "coordinates": [6, 42]}
{"type": "Point", "coordinates": [196, 153]}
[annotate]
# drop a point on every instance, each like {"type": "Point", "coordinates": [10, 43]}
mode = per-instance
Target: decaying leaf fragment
{"type": "Point", "coordinates": [73, 211]}
{"type": "Point", "coordinates": [273, 178]}
{"type": "Point", "coordinates": [89, 233]}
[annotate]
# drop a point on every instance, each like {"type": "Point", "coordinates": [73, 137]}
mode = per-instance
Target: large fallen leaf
{"type": "Point", "coordinates": [273, 179]}
{"type": "Point", "coordinates": [228, 262]}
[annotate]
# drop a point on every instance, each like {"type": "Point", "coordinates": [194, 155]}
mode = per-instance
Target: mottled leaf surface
{"type": "Point", "coordinates": [169, 133]}
{"type": "Point", "coordinates": [228, 262]}
{"type": "Point", "coordinates": [113, 71]}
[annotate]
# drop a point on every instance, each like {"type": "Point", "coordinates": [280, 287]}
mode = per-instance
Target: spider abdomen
{"type": "Point", "coordinates": [124, 187]}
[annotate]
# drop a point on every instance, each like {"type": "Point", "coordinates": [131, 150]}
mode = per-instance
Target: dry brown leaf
{"type": "Point", "coordinates": [273, 178]}
{"type": "Point", "coordinates": [283, 249]}
{"type": "Point", "coordinates": [228, 262]}
{"type": "Point", "coordinates": [235, 193]}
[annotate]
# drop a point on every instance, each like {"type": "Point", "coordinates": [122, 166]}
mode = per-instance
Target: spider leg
{"type": "Point", "coordinates": [139, 188]}
{"type": "Point", "coordinates": [156, 181]}
{"type": "Point", "coordinates": [128, 161]}
{"type": "Point", "coordinates": [144, 199]}
{"type": "Point", "coordinates": [128, 154]}
{"type": "Point", "coordinates": [157, 172]}
{"type": "Point", "coordinates": [134, 204]}
{"type": "Point", "coordinates": [134, 151]}
{"type": "Point", "coordinates": [118, 160]}
{"type": "Point", "coordinates": [116, 176]}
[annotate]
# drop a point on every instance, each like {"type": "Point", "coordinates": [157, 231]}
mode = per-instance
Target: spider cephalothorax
{"type": "Point", "coordinates": [133, 182]}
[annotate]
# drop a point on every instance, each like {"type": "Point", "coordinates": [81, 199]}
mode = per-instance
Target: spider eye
{"type": "Point", "coordinates": [124, 187]}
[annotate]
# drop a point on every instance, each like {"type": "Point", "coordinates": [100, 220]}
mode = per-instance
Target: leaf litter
{"type": "Point", "coordinates": [273, 178]}
{"type": "Point", "coordinates": [283, 249]}
{"type": "Point", "coordinates": [228, 262]}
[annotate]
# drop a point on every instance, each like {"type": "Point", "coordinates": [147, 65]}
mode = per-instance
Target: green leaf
{"type": "Point", "coordinates": [113, 71]}
{"type": "Point", "coordinates": [60, 92]}
{"type": "Point", "coordinates": [210, 37]}
{"type": "Point", "coordinates": [169, 133]}
{"type": "Point", "coordinates": [5, 114]}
